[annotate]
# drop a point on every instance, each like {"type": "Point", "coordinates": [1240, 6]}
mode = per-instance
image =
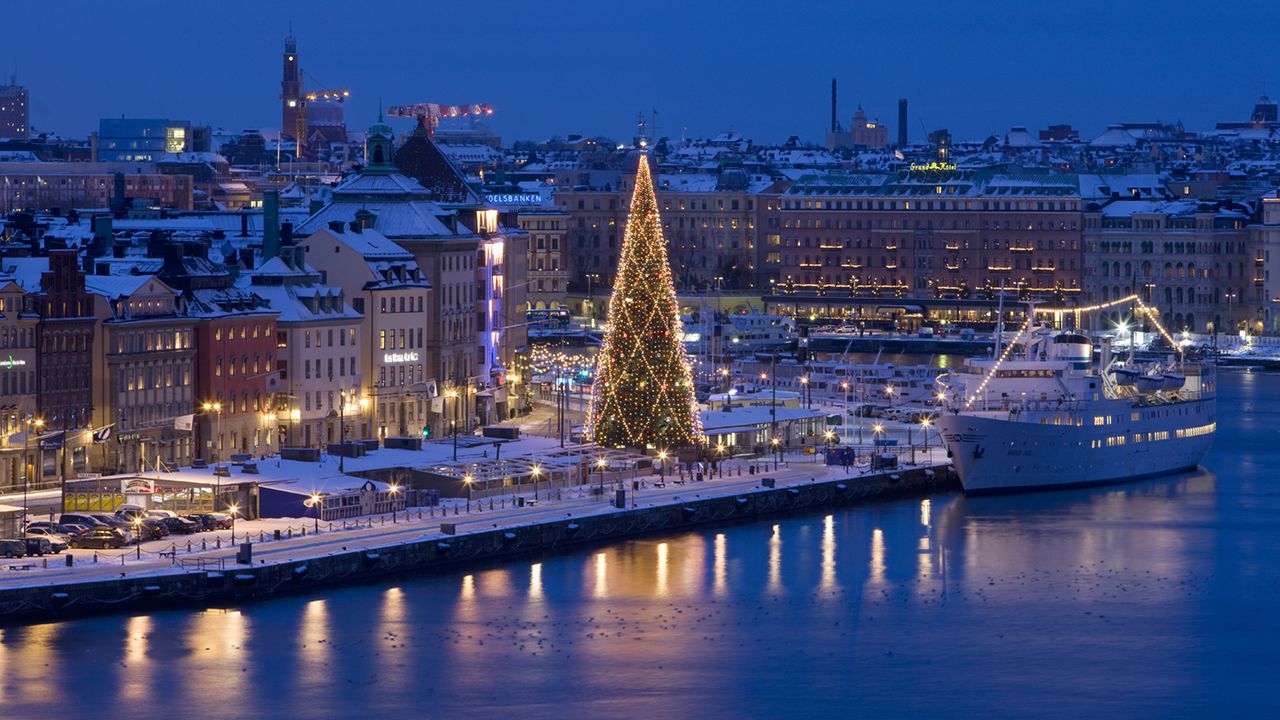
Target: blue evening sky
{"type": "Point", "coordinates": [761, 68]}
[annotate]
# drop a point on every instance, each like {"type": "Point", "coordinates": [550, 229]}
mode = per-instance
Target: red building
{"type": "Point", "coordinates": [64, 356]}
{"type": "Point", "coordinates": [235, 358]}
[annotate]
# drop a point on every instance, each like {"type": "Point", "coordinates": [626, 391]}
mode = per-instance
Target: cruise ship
{"type": "Point", "coordinates": [1046, 414]}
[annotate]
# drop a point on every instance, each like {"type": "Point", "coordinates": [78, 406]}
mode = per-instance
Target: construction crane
{"type": "Point", "coordinates": [429, 114]}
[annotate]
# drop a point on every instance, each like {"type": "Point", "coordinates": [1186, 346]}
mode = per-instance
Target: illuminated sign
{"type": "Point", "coordinates": [513, 199]}
{"type": "Point", "coordinates": [395, 358]}
{"type": "Point", "coordinates": [933, 167]}
{"type": "Point", "coordinates": [10, 362]}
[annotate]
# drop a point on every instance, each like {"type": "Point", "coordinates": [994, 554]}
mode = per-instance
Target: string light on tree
{"type": "Point", "coordinates": [643, 393]}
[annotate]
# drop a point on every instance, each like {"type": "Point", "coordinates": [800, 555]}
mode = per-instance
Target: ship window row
{"type": "Point", "coordinates": [1025, 373]}
{"type": "Point", "coordinates": [1156, 436]}
{"type": "Point", "coordinates": [1197, 431]}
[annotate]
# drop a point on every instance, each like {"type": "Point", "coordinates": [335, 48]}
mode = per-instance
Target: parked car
{"type": "Point", "coordinates": [161, 514]}
{"type": "Point", "coordinates": [109, 519]}
{"type": "Point", "coordinates": [102, 538]}
{"type": "Point", "coordinates": [81, 519]}
{"type": "Point", "coordinates": [57, 542]}
{"type": "Point", "coordinates": [154, 529]}
{"type": "Point", "coordinates": [127, 514]}
{"type": "Point", "coordinates": [13, 548]}
{"type": "Point", "coordinates": [74, 528]}
{"type": "Point", "coordinates": [38, 545]}
{"type": "Point", "coordinates": [47, 527]}
{"type": "Point", "coordinates": [211, 521]}
{"type": "Point", "coordinates": [180, 526]}
{"type": "Point", "coordinates": [204, 520]}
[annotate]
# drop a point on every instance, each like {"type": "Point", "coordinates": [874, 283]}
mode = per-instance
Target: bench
{"type": "Point", "coordinates": [25, 566]}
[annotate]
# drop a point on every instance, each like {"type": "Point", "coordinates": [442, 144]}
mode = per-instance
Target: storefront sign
{"type": "Point", "coordinates": [10, 363]}
{"type": "Point", "coordinates": [933, 167]}
{"type": "Point", "coordinates": [396, 358]}
{"type": "Point", "coordinates": [513, 199]}
{"type": "Point", "coordinates": [137, 486]}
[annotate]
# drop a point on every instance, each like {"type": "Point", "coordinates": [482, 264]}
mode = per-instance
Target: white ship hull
{"type": "Point", "coordinates": [994, 452]}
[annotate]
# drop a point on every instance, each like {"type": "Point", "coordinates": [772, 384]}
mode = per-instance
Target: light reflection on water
{"type": "Point", "coordinates": [1150, 599]}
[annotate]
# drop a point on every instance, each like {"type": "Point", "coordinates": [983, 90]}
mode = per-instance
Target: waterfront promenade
{"type": "Point", "coordinates": [208, 557]}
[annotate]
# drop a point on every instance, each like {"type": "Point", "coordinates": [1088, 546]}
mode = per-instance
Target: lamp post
{"type": "Point", "coordinates": [232, 511]}
{"type": "Point", "coordinates": [317, 502]}
{"type": "Point", "coordinates": [466, 481]}
{"type": "Point", "coordinates": [924, 426]}
{"type": "Point", "coordinates": [777, 452]}
{"type": "Point", "coordinates": [29, 466]}
{"type": "Point", "coordinates": [534, 473]}
{"type": "Point", "coordinates": [720, 451]}
{"type": "Point", "coordinates": [453, 422]}
{"type": "Point", "coordinates": [215, 407]}
{"type": "Point", "coordinates": [342, 429]}
{"type": "Point", "coordinates": [137, 533]}
{"type": "Point", "coordinates": [804, 391]}
{"type": "Point", "coordinates": [601, 463]}
{"type": "Point", "coordinates": [662, 466]}
{"type": "Point", "coordinates": [393, 491]}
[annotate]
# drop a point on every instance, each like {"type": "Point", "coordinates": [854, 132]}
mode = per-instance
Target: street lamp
{"type": "Point", "coordinates": [662, 465]}
{"type": "Point", "coordinates": [466, 480]}
{"type": "Point", "coordinates": [453, 422]}
{"type": "Point", "coordinates": [29, 466]}
{"type": "Point", "coordinates": [535, 472]}
{"type": "Point", "coordinates": [137, 533]}
{"type": "Point", "coordinates": [804, 390]}
{"type": "Point", "coordinates": [316, 504]}
{"type": "Point", "coordinates": [232, 511]}
{"type": "Point", "coordinates": [393, 491]}
{"type": "Point", "coordinates": [601, 464]}
{"type": "Point", "coordinates": [215, 407]}
{"type": "Point", "coordinates": [777, 452]}
{"type": "Point", "coordinates": [829, 435]}
{"type": "Point", "coordinates": [924, 425]}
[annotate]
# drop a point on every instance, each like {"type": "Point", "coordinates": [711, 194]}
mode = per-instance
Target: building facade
{"type": "Point", "coordinates": [1192, 260]}
{"type": "Point", "coordinates": [19, 325]}
{"type": "Point", "coordinates": [64, 364]}
{"type": "Point", "coordinates": [390, 292]}
{"type": "Point", "coordinates": [15, 111]}
{"type": "Point", "coordinates": [144, 373]}
{"type": "Point", "coordinates": [936, 232]}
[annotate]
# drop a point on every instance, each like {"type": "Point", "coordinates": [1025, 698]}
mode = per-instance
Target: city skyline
{"type": "Point", "coordinates": [762, 73]}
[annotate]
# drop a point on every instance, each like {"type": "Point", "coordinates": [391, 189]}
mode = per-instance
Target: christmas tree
{"type": "Point", "coordinates": [643, 392]}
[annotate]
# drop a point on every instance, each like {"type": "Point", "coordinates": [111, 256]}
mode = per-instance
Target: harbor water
{"type": "Point", "coordinates": [1152, 599]}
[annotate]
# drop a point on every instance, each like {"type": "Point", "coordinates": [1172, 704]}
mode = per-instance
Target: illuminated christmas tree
{"type": "Point", "coordinates": [643, 392]}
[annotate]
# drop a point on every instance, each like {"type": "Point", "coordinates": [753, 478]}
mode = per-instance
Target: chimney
{"type": "Point", "coordinates": [102, 235]}
{"type": "Point", "coordinates": [270, 224]}
{"type": "Point", "coordinates": [117, 194]}
{"type": "Point", "coordinates": [172, 265]}
{"type": "Point", "coordinates": [834, 122]}
{"type": "Point", "coordinates": [356, 226]}
{"type": "Point", "coordinates": [244, 224]}
{"type": "Point", "coordinates": [365, 219]}
{"type": "Point", "coordinates": [286, 233]}
{"type": "Point", "coordinates": [338, 226]}
{"type": "Point", "coordinates": [902, 122]}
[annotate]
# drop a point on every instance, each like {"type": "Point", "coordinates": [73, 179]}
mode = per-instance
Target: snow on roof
{"type": "Point", "coordinates": [370, 244]}
{"type": "Point", "coordinates": [114, 286]}
{"type": "Point", "coordinates": [25, 271]}
{"type": "Point", "coordinates": [394, 219]}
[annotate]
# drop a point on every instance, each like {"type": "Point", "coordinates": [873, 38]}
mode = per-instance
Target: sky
{"type": "Point", "coordinates": [558, 67]}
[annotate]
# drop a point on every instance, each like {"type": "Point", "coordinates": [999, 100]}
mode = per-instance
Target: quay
{"type": "Point", "coordinates": [435, 539]}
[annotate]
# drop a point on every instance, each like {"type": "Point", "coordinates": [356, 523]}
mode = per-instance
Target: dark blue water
{"type": "Point", "coordinates": [1155, 599]}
